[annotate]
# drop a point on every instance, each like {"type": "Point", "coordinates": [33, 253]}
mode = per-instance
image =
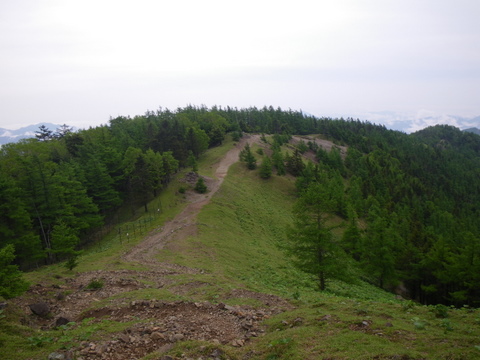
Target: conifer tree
{"type": "Point", "coordinates": [64, 241]}
{"type": "Point", "coordinates": [192, 162]}
{"type": "Point", "coordinates": [295, 163]}
{"type": "Point", "coordinates": [247, 157]}
{"type": "Point", "coordinates": [352, 238]}
{"type": "Point", "coordinates": [43, 133]}
{"type": "Point", "coordinates": [266, 168]}
{"type": "Point", "coordinates": [310, 239]}
{"type": "Point", "coordinates": [11, 282]}
{"type": "Point", "coordinates": [278, 160]}
{"type": "Point", "coordinates": [379, 248]}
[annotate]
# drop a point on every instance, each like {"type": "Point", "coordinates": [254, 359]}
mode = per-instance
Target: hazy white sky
{"type": "Point", "coordinates": [80, 62]}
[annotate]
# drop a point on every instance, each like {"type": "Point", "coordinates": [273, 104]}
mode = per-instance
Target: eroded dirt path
{"type": "Point", "coordinates": [184, 224]}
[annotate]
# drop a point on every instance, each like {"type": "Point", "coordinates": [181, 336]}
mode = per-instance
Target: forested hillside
{"type": "Point", "coordinates": [406, 206]}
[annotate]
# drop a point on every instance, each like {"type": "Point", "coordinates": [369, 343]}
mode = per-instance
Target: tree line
{"type": "Point", "coordinates": [407, 205]}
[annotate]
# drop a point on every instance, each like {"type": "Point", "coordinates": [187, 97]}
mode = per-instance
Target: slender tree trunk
{"type": "Point", "coordinates": [321, 278]}
{"type": "Point", "coordinates": [45, 236]}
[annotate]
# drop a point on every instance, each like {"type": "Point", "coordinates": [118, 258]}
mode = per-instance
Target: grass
{"type": "Point", "coordinates": [352, 329]}
{"type": "Point", "coordinates": [238, 247]}
{"type": "Point", "coordinates": [240, 231]}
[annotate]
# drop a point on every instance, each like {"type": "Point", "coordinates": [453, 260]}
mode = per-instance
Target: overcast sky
{"type": "Point", "coordinates": [80, 62]}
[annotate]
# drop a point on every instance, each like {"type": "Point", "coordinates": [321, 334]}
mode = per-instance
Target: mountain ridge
{"type": "Point", "coordinates": [474, 130]}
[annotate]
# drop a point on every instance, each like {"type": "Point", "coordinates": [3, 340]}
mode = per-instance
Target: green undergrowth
{"type": "Point", "coordinates": [361, 329]}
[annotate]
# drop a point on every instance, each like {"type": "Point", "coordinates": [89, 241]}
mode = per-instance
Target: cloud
{"type": "Point", "coordinates": [87, 59]}
{"type": "Point", "coordinates": [425, 118]}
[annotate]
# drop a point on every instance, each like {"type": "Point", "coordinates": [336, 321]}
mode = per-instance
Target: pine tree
{"type": "Point", "coordinates": [352, 238]}
{"type": "Point", "coordinates": [278, 160]}
{"type": "Point", "coordinates": [295, 163]}
{"type": "Point", "coordinates": [16, 224]}
{"type": "Point", "coordinates": [63, 131]}
{"type": "Point", "coordinates": [11, 281]}
{"type": "Point", "coordinates": [265, 169]}
{"type": "Point", "coordinates": [43, 133]}
{"type": "Point", "coordinates": [64, 241]}
{"type": "Point", "coordinates": [379, 248]}
{"type": "Point", "coordinates": [100, 185]}
{"type": "Point", "coordinates": [192, 162]}
{"type": "Point", "coordinates": [310, 239]}
{"type": "Point", "coordinates": [247, 157]}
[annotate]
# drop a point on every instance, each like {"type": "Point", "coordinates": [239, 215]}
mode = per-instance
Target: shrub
{"type": "Point", "coordinates": [440, 311]}
{"type": "Point", "coordinates": [419, 324]}
{"type": "Point", "coordinates": [95, 284]}
{"type": "Point", "coordinates": [200, 186]}
{"type": "Point", "coordinates": [237, 135]}
{"type": "Point", "coordinates": [71, 263]}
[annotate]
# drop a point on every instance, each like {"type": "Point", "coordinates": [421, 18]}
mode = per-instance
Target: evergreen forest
{"type": "Point", "coordinates": [397, 210]}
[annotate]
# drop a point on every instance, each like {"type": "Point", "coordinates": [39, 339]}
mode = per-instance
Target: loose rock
{"type": "Point", "coordinates": [157, 336]}
{"type": "Point", "coordinates": [61, 321]}
{"type": "Point", "coordinates": [56, 356]}
{"type": "Point", "coordinates": [40, 309]}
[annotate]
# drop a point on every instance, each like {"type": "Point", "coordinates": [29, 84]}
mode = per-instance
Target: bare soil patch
{"type": "Point", "coordinates": [322, 143]}
{"type": "Point", "coordinates": [159, 324]}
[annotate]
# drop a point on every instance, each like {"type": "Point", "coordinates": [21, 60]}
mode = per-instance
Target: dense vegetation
{"type": "Point", "coordinates": [406, 206]}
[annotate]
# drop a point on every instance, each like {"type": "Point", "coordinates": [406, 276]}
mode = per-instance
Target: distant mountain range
{"type": "Point", "coordinates": [412, 122]}
{"type": "Point", "coordinates": [473, 130]}
{"type": "Point", "coordinates": [8, 136]}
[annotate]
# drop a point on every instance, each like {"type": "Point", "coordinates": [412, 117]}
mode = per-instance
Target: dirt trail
{"type": "Point", "coordinates": [184, 224]}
